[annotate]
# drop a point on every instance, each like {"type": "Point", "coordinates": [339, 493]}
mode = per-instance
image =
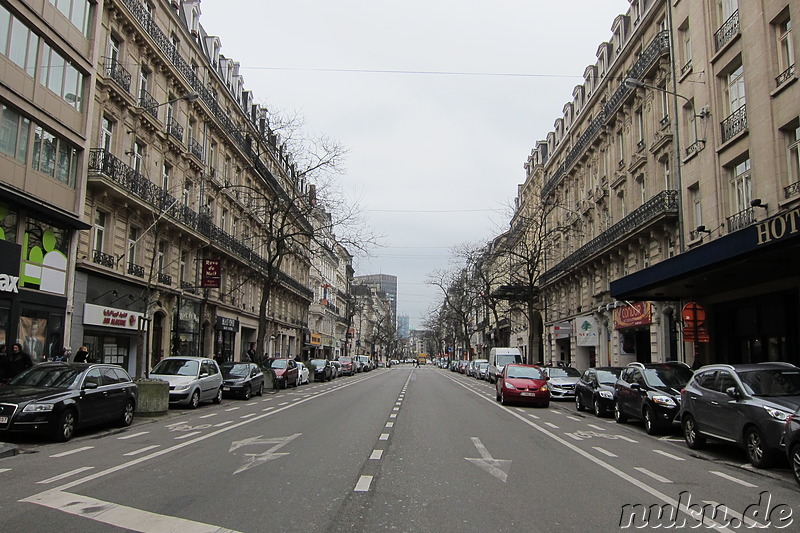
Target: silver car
{"type": "Point", "coordinates": [191, 380]}
{"type": "Point", "coordinates": [562, 381]}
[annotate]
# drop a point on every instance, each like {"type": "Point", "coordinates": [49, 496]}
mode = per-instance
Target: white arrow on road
{"type": "Point", "coordinates": [255, 459]}
{"type": "Point", "coordinates": [496, 467]}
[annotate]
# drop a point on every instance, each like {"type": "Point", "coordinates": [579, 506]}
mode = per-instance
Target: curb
{"type": "Point", "coordinates": [8, 450]}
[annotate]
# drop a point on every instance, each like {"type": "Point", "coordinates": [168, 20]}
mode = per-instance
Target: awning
{"type": "Point", "coordinates": [766, 251]}
{"type": "Point", "coordinates": [49, 213]}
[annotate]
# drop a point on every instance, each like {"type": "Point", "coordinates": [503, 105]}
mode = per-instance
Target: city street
{"type": "Point", "coordinates": [397, 449]}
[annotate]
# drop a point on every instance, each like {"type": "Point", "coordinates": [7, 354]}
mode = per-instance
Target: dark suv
{"type": "Point", "coordinates": [651, 392]}
{"type": "Point", "coordinates": [747, 404]}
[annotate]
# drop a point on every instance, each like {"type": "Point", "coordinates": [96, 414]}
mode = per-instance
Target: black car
{"type": "Point", "coordinates": [595, 389]}
{"type": "Point", "coordinates": [791, 440]}
{"type": "Point", "coordinates": [323, 370]}
{"type": "Point", "coordinates": [242, 379]}
{"type": "Point", "coordinates": [651, 392]}
{"type": "Point", "coordinates": [61, 397]}
{"type": "Point", "coordinates": [746, 404]}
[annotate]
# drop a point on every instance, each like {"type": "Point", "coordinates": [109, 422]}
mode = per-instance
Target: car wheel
{"type": "Point", "coordinates": [578, 403]}
{"type": "Point", "coordinates": [247, 393]}
{"type": "Point", "coordinates": [194, 402]}
{"type": "Point", "coordinates": [694, 439]}
{"type": "Point", "coordinates": [127, 414]}
{"type": "Point", "coordinates": [598, 411]}
{"type": "Point", "coordinates": [756, 447]}
{"type": "Point", "coordinates": [502, 397]}
{"type": "Point", "coordinates": [65, 426]}
{"type": "Point", "coordinates": [497, 395]}
{"type": "Point", "coordinates": [619, 416]}
{"type": "Point", "coordinates": [260, 390]}
{"type": "Point", "coordinates": [794, 459]}
{"type": "Point", "coordinates": [651, 424]}
{"type": "Point", "coordinates": [218, 397]}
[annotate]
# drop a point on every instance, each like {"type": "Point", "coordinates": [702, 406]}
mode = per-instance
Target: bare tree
{"type": "Point", "coordinates": [460, 300]}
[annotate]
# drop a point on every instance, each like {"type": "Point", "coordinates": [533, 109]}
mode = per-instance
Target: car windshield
{"type": "Point", "coordinates": [279, 363]}
{"type": "Point", "coordinates": [483, 366]}
{"type": "Point", "coordinates": [674, 377]}
{"type": "Point", "coordinates": [345, 360]}
{"type": "Point", "coordinates": [58, 377]}
{"type": "Point", "coordinates": [568, 372]}
{"type": "Point", "coordinates": [177, 367]}
{"type": "Point", "coordinates": [318, 362]}
{"type": "Point", "coordinates": [607, 377]}
{"type": "Point", "coordinates": [524, 372]}
{"type": "Point", "coordinates": [235, 370]}
{"type": "Point", "coordinates": [772, 382]}
{"type": "Point", "coordinates": [503, 360]}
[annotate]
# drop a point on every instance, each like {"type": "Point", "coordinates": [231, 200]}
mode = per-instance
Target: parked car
{"type": "Point", "coordinates": [791, 439]}
{"type": "Point", "coordinates": [285, 372]}
{"type": "Point", "coordinates": [241, 379]}
{"type": "Point", "coordinates": [337, 368]}
{"type": "Point", "coordinates": [302, 374]}
{"type": "Point", "coordinates": [483, 369]}
{"type": "Point", "coordinates": [59, 398]}
{"type": "Point", "coordinates": [562, 381]}
{"type": "Point", "coordinates": [651, 392]}
{"type": "Point", "coordinates": [191, 379]}
{"type": "Point", "coordinates": [747, 404]}
{"type": "Point", "coordinates": [522, 383]}
{"type": "Point", "coordinates": [347, 365]}
{"type": "Point", "coordinates": [595, 389]}
{"type": "Point", "coordinates": [323, 370]}
{"type": "Point", "coordinates": [365, 362]}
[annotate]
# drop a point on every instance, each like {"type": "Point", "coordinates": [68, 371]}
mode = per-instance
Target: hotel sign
{"type": "Point", "coordinates": [779, 227]}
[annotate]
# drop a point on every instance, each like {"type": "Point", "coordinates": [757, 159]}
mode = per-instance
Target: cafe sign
{"type": "Point", "coordinates": [633, 314]}
{"type": "Point", "coordinates": [110, 317]}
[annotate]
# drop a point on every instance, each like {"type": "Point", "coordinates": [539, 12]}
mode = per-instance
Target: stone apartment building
{"type": "Point", "coordinates": [671, 178]}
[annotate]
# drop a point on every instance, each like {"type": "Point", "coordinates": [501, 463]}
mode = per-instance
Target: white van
{"type": "Point", "coordinates": [500, 357]}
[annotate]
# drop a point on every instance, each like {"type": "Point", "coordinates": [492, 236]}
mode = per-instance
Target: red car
{"type": "Point", "coordinates": [285, 372]}
{"type": "Point", "coordinates": [523, 383]}
{"type": "Point", "coordinates": [347, 365]}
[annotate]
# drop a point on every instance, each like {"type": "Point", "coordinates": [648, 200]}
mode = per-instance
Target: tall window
{"type": "Point", "coordinates": [742, 186]}
{"type": "Point", "coordinates": [166, 176]}
{"type": "Point", "coordinates": [99, 231]}
{"type": "Point", "coordinates": [161, 259]}
{"type": "Point", "coordinates": [785, 46]}
{"type": "Point", "coordinates": [188, 188]}
{"type": "Point", "coordinates": [54, 157]}
{"type": "Point", "coordinates": [620, 148]}
{"type": "Point", "coordinates": [14, 129]}
{"type": "Point", "coordinates": [144, 84]}
{"type": "Point", "coordinates": [182, 268]}
{"type": "Point", "coordinates": [639, 129]}
{"type": "Point", "coordinates": [223, 219]}
{"type": "Point", "coordinates": [17, 42]}
{"type": "Point", "coordinates": [663, 97]}
{"type": "Point", "coordinates": [106, 129]}
{"type": "Point", "coordinates": [61, 77]}
{"type": "Point", "coordinates": [735, 89]}
{"type": "Point", "coordinates": [133, 238]}
{"type": "Point", "coordinates": [686, 46]}
{"type": "Point", "coordinates": [793, 152]}
{"type": "Point", "coordinates": [690, 119]}
{"type": "Point", "coordinates": [726, 8]}
{"type": "Point", "coordinates": [665, 170]}
{"type": "Point", "coordinates": [137, 156]}
{"type": "Point", "coordinates": [697, 208]}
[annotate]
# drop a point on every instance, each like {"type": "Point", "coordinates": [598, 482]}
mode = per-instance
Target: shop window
{"type": "Point", "coordinates": [109, 349]}
{"type": "Point", "coordinates": [8, 223]}
{"type": "Point", "coordinates": [40, 334]}
{"type": "Point", "coordinates": [44, 259]}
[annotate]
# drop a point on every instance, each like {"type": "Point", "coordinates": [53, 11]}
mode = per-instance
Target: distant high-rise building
{"type": "Point", "coordinates": [402, 326]}
{"type": "Point", "coordinates": [383, 283]}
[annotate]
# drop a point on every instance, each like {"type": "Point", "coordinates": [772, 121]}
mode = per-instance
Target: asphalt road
{"type": "Point", "coordinates": [398, 449]}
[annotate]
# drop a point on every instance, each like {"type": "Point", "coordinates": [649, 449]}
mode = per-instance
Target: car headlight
{"type": "Point", "coordinates": [181, 387]}
{"type": "Point", "coordinates": [544, 388]}
{"type": "Point", "coordinates": [777, 413]}
{"type": "Point", "coordinates": [508, 385]}
{"type": "Point", "coordinates": [665, 401]}
{"type": "Point", "coordinates": [606, 394]}
{"type": "Point", "coordinates": [38, 408]}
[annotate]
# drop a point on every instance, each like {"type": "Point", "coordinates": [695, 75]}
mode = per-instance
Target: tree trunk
{"type": "Point", "coordinates": [261, 356]}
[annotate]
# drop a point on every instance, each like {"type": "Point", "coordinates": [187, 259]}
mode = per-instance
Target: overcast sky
{"type": "Point", "coordinates": [448, 101]}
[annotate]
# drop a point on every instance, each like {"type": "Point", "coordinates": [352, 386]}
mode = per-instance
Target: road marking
{"type": "Point", "coordinates": [604, 451]}
{"type": "Point", "coordinates": [389, 424]}
{"type": "Point", "coordinates": [70, 452]}
{"type": "Point", "coordinates": [384, 436]}
{"type": "Point", "coordinates": [252, 403]}
{"type": "Point", "coordinates": [282, 404]}
{"type": "Point", "coordinates": [187, 435]}
{"type": "Point", "coordinates": [208, 416]}
{"type": "Point", "coordinates": [223, 423]}
{"type": "Point", "coordinates": [363, 484]}
{"type": "Point", "coordinates": [234, 408]}
{"type": "Point", "coordinates": [730, 512]}
{"type": "Point", "coordinates": [575, 418]}
{"type": "Point", "coordinates": [145, 449]}
{"type": "Point", "coordinates": [533, 416]}
{"type": "Point", "coordinates": [652, 474]}
{"type": "Point", "coordinates": [520, 410]}
{"type": "Point", "coordinates": [665, 454]}
{"type": "Point", "coordinates": [573, 436]}
{"type": "Point", "coordinates": [268, 408]}
{"type": "Point", "coordinates": [735, 480]}
{"type": "Point", "coordinates": [65, 475]}
{"type": "Point", "coordinates": [256, 459]}
{"type": "Point", "coordinates": [393, 415]}
{"type": "Point", "coordinates": [126, 437]}
{"type": "Point", "coordinates": [623, 437]}
{"type": "Point", "coordinates": [248, 416]}
{"type": "Point", "coordinates": [395, 408]}
{"type": "Point", "coordinates": [182, 422]}
{"type": "Point", "coordinates": [496, 467]}
{"type": "Point", "coordinates": [120, 516]}
{"type": "Point", "coordinates": [4, 470]}
{"type": "Point", "coordinates": [551, 425]}
{"type": "Point", "coordinates": [598, 428]}
{"type": "Point", "coordinates": [376, 454]}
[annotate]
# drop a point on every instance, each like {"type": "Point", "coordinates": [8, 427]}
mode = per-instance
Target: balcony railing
{"type": "Point", "coordinates": [148, 103]}
{"type": "Point", "coordinates": [164, 279]}
{"type": "Point", "coordinates": [135, 270]}
{"type": "Point", "coordinates": [196, 149]}
{"type": "Point", "coordinates": [694, 148]}
{"type": "Point", "coordinates": [104, 259]}
{"type": "Point", "coordinates": [727, 31]}
{"type": "Point", "coordinates": [117, 72]}
{"type": "Point", "coordinates": [664, 203]}
{"type": "Point", "coordinates": [785, 76]}
{"type": "Point", "coordinates": [686, 67]}
{"type": "Point", "coordinates": [791, 190]}
{"type": "Point", "coordinates": [742, 219]}
{"type": "Point", "coordinates": [734, 124]}
{"type": "Point", "coordinates": [175, 129]}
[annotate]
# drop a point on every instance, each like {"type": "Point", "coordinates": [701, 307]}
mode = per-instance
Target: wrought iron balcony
{"type": "Point", "coordinates": [785, 76]}
{"type": "Point", "coordinates": [663, 204]}
{"type": "Point", "coordinates": [195, 148]}
{"type": "Point", "coordinates": [136, 270]}
{"type": "Point", "coordinates": [104, 259]}
{"type": "Point", "coordinates": [695, 147]}
{"type": "Point", "coordinates": [164, 279]}
{"type": "Point", "coordinates": [734, 124]}
{"type": "Point", "coordinates": [792, 190]}
{"type": "Point", "coordinates": [117, 72]}
{"type": "Point", "coordinates": [726, 32]}
{"type": "Point", "coordinates": [742, 219]}
{"type": "Point", "coordinates": [175, 129]}
{"type": "Point", "coordinates": [148, 103]}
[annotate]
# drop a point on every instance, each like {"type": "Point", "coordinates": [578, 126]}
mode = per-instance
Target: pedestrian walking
{"type": "Point", "coordinates": [17, 361]}
{"type": "Point", "coordinates": [251, 353]}
{"type": "Point", "coordinates": [64, 355]}
{"type": "Point", "coordinates": [82, 355]}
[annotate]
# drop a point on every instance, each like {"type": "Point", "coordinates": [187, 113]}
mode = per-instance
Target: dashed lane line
{"type": "Point", "coordinates": [384, 436]}
{"type": "Point", "coordinates": [70, 452]}
{"type": "Point", "coordinates": [376, 454]}
{"type": "Point", "coordinates": [389, 424]}
{"type": "Point", "coordinates": [142, 450]}
{"type": "Point", "coordinates": [665, 454]}
{"type": "Point", "coordinates": [133, 435]}
{"type": "Point", "coordinates": [653, 475]}
{"type": "Point", "coordinates": [604, 451]}
{"type": "Point", "coordinates": [208, 416]}
{"type": "Point", "coordinates": [363, 484]}
{"type": "Point", "coordinates": [65, 475]}
{"type": "Point", "coordinates": [735, 480]}
{"type": "Point", "coordinates": [187, 435]}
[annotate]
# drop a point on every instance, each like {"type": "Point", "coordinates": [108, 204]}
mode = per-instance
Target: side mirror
{"type": "Point", "coordinates": [90, 385]}
{"type": "Point", "coordinates": [733, 392]}
{"type": "Point", "coordinates": [204, 375]}
{"type": "Point", "coordinates": [635, 386]}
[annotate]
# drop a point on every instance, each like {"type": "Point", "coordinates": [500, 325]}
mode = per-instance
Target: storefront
{"type": "Point", "coordinates": [632, 321]}
{"type": "Point", "coordinates": [225, 331]}
{"type": "Point", "coordinates": [110, 334]}
{"type": "Point", "coordinates": [186, 333]}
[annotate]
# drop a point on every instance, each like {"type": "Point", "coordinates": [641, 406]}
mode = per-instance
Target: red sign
{"type": "Point", "coordinates": [693, 314]}
{"type": "Point", "coordinates": [695, 334]}
{"type": "Point", "coordinates": [210, 278]}
{"type": "Point", "coordinates": [631, 315]}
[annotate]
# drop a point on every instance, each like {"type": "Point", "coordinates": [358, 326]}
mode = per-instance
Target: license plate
{"type": "Point", "coordinates": [226, 388]}
{"type": "Point", "coordinates": [527, 394]}
{"type": "Point", "coordinates": [3, 420]}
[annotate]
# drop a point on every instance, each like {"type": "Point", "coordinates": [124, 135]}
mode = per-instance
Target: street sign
{"type": "Point", "coordinates": [693, 314]}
